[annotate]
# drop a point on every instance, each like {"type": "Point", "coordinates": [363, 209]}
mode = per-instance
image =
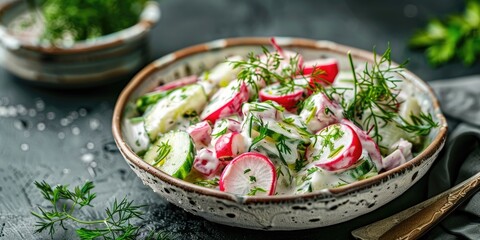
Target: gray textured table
{"type": "Point", "coordinates": [65, 136]}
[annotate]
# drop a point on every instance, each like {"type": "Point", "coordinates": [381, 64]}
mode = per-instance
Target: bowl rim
{"type": "Point", "coordinates": [148, 18]}
{"type": "Point", "coordinates": [436, 144]}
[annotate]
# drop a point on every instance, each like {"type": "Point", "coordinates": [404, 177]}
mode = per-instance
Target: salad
{"type": "Point", "coordinates": [275, 123]}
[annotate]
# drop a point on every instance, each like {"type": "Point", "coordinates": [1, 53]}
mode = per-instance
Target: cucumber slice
{"type": "Point", "coordinates": [173, 153]}
{"type": "Point", "coordinates": [164, 115]}
{"type": "Point", "coordinates": [149, 99]}
{"type": "Point", "coordinates": [279, 131]}
{"type": "Point", "coordinates": [135, 134]}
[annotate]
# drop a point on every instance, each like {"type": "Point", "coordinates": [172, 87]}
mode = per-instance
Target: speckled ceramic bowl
{"type": "Point", "coordinates": [312, 210]}
{"type": "Point", "coordinates": [83, 63]}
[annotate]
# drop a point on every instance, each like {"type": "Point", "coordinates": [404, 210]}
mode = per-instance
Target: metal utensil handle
{"type": "Point", "coordinates": [417, 220]}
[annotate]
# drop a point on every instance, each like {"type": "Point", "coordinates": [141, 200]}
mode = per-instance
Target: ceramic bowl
{"type": "Point", "coordinates": [317, 209]}
{"type": "Point", "coordinates": [83, 63]}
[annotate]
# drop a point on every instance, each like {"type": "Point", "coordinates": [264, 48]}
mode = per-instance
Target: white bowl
{"type": "Point", "coordinates": [317, 209]}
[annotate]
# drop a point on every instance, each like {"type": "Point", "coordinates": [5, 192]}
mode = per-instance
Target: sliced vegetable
{"type": "Point", "coordinates": [135, 133]}
{"type": "Point", "coordinates": [172, 153]}
{"type": "Point", "coordinates": [226, 102]}
{"type": "Point", "coordinates": [282, 95]}
{"type": "Point", "coordinates": [319, 111]}
{"type": "Point", "coordinates": [168, 111]}
{"type": "Point", "coordinates": [149, 99]}
{"type": "Point", "coordinates": [229, 145]}
{"type": "Point", "coordinates": [223, 73]}
{"type": "Point", "coordinates": [393, 160]}
{"type": "Point", "coordinates": [250, 174]}
{"type": "Point", "coordinates": [181, 82]}
{"type": "Point", "coordinates": [200, 133]}
{"type": "Point", "coordinates": [321, 71]}
{"type": "Point", "coordinates": [368, 144]}
{"type": "Point", "coordinates": [335, 147]}
{"type": "Point", "coordinates": [206, 162]}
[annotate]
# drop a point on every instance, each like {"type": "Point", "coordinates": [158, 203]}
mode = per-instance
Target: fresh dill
{"type": "Point", "coordinates": [209, 183]}
{"type": "Point", "coordinates": [163, 150]}
{"type": "Point", "coordinates": [262, 134]}
{"type": "Point", "coordinates": [420, 125]}
{"type": "Point", "coordinates": [117, 224]}
{"type": "Point", "coordinates": [254, 191]}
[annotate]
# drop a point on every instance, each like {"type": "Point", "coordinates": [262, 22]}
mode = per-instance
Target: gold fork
{"type": "Point", "coordinates": [417, 220]}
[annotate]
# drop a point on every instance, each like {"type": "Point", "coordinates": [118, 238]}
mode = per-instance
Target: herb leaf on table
{"type": "Point", "coordinates": [117, 224]}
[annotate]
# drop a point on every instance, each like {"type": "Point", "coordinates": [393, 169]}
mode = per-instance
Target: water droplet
{"type": "Point", "coordinates": [20, 124]}
{"type": "Point", "coordinates": [3, 111]}
{"type": "Point", "coordinates": [90, 145]}
{"type": "Point", "coordinates": [82, 112]}
{"type": "Point", "coordinates": [75, 131]}
{"type": "Point", "coordinates": [21, 110]}
{"type": "Point", "coordinates": [94, 124]}
{"type": "Point", "coordinates": [66, 171]}
{"type": "Point", "coordinates": [110, 147]}
{"type": "Point", "coordinates": [12, 111]}
{"type": "Point", "coordinates": [64, 122]}
{"type": "Point", "coordinates": [93, 164]}
{"type": "Point", "coordinates": [40, 105]}
{"type": "Point", "coordinates": [32, 112]}
{"type": "Point", "coordinates": [91, 172]}
{"type": "Point", "coordinates": [41, 126]}
{"type": "Point", "coordinates": [61, 135]}
{"type": "Point", "coordinates": [24, 147]}
{"type": "Point", "coordinates": [73, 115]}
{"type": "Point", "coordinates": [87, 157]}
{"type": "Point", "coordinates": [50, 115]}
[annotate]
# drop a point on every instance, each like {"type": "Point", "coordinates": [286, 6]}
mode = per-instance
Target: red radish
{"type": "Point", "coordinates": [226, 102]}
{"type": "Point", "coordinates": [200, 133]}
{"type": "Point", "coordinates": [177, 83]}
{"type": "Point", "coordinates": [276, 93]}
{"type": "Point", "coordinates": [229, 145]}
{"type": "Point", "coordinates": [322, 71]}
{"type": "Point", "coordinates": [249, 174]}
{"type": "Point", "coordinates": [393, 160]}
{"type": "Point", "coordinates": [336, 147]}
{"type": "Point", "coordinates": [319, 111]}
{"type": "Point", "coordinates": [206, 163]}
{"type": "Point", "coordinates": [368, 144]}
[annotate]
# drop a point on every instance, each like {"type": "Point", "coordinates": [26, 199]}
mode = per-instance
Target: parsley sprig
{"type": "Point", "coordinates": [456, 37]}
{"type": "Point", "coordinates": [65, 204]}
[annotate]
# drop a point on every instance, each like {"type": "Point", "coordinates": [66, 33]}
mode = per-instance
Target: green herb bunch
{"type": "Point", "coordinates": [456, 37]}
{"type": "Point", "coordinates": [65, 204]}
{"type": "Point", "coordinates": [86, 19]}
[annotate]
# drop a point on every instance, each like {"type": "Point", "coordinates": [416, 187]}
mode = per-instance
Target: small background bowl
{"type": "Point", "coordinates": [85, 63]}
{"type": "Point", "coordinates": [292, 212]}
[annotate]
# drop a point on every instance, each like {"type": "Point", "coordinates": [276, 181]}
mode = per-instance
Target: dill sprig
{"type": "Point", "coordinates": [271, 69]}
{"type": "Point", "coordinates": [163, 150]}
{"type": "Point", "coordinates": [65, 203]}
{"type": "Point", "coordinates": [374, 103]}
{"type": "Point", "coordinates": [420, 125]}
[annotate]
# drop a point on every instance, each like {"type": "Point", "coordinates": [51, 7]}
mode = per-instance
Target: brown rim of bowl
{"type": "Point", "coordinates": [131, 157]}
{"type": "Point", "coordinates": [107, 41]}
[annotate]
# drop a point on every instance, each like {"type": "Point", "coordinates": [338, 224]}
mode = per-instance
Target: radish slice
{"type": "Point", "coordinates": [319, 111]}
{"type": "Point", "coordinates": [229, 145]}
{"type": "Point", "coordinates": [322, 71]}
{"type": "Point", "coordinates": [368, 144]}
{"type": "Point", "coordinates": [404, 146]}
{"type": "Point", "coordinates": [287, 98]}
{"type": "Point", "coordinates": [251, 174]}
{"type": "Point", "coordinates": [393, 160]}
{"type": "Point", "coordinates": [336, 147]}
{"type": "Point", "coordinates": [226, 102]}
{"type": "Point", "coordinates": [200, 134]}
{"type": "Point", "coordinates": [177, 83]}
{"type": "Point", "coordinates": [206, 163]}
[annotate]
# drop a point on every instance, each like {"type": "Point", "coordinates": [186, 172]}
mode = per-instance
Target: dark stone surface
{"type": "Point", "coordinates": [65, 136]}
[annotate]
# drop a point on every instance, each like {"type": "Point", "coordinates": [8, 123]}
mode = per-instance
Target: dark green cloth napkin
{"type": "Point", "coordinates": [460, 158]}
